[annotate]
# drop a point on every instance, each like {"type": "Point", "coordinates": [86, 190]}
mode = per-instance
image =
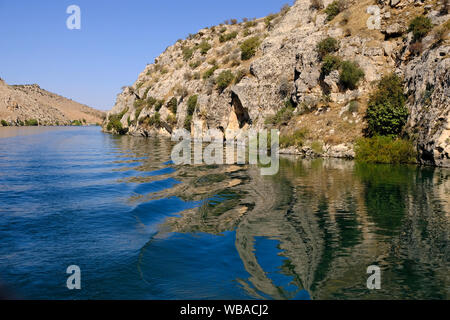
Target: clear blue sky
{"type": "Point", "coordinates": [117, 39]}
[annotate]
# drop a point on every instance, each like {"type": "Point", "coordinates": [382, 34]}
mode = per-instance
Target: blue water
{"type": "Point", "coordinates": [141, 228]}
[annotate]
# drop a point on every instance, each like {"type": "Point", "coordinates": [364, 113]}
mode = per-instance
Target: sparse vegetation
{"type": "Point", "coordinates": [115, 123]}
{"type": "Point", "coordinates": [420, 26]}
{"type": "Point", "coordinates": [386, 112]}
{"type": "Point", "coordinates": [385, 149]}
{"type": "Point", "coordinates": [350, 75]}
{"type": "Point", "coordinates": [249, 47]}
{"type": "Point", "coordinates": [240, 74]}
{"type": "Point", "coordinates": [228, 36]}
{"type": "Point", "coordinates": [295, 139]}
{"type": "Point", "coordinates": [282, 117]}
{"type": "Point", "coordinates": [330, 63]}
{"type": "Point", "coordinates": [195, 64]}
{"type": "Point", "coordinates": [171, 120]}
{"type": "Point", "coordinates": [317, 4]}
{"type": "Point", "coordinates": [158, 105]}
{"type": "Point", "coordinates": [153, 121]}
{"type": "Point", "coordinates": [192, 104]}
{"type": "Point", "coordinates": [204, 47]}
{"type": "Point", "coordinates": [188, 53]}
{"type": "Point", "coordinates": [4, 123]}
{"type": "Point", "coordinates": [31, 123]}
{"type": "Point", "coordinates": [334, 8]}
{"type": "Point", "coordinates": [327, 46]}
{"type": "Point", "coordinates": [208, 73]}
{"type": "Point", "coordinates": [173, 105]}
{"type": "Point", "coordinates": [224, 79]}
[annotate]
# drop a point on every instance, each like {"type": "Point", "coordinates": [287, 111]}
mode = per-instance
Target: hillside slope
{"type": "Point", "coordinates": [22, 104]}
{"type": "Point", "coordinates": [269, 72]}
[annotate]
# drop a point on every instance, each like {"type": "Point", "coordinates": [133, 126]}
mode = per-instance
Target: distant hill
{"type": "Point", "coordinates": [29, 104]}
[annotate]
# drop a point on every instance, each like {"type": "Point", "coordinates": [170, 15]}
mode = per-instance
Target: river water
{"type": "Point", "coordinates": [140, 227]}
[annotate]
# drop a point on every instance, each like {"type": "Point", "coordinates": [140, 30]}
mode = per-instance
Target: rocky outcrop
{"type": "Point", "coordinates": [22, 104]}
{"type": "Point", "coordinates": [286, 69]}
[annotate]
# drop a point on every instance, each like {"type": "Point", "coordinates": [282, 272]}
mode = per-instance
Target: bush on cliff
{"type": "Point", "coordinates": [228, 36]}
{"type": "Point", "coordinates": [4, 123]}
{"type": "Point", "coordinates": [334, 8]}
{"type": "Point", "coordinates": [327, 46]}
{"type": "Point", "coordinates": [249, 47]}
{"type": "Point", "coordinates": [385, 149]}
{"type": "Point", "coordinates": [224, 79]}
{"type": "Point", "coordinates": [386, 112]}
{"type": "Point", "coordinates": [330, 63]}
{"type": "Point", "coordinates": [350, 75]}
{"type": "Point", "coordinates": [420, 26]}
{"type": "Point", "coordinates": [172, 105]}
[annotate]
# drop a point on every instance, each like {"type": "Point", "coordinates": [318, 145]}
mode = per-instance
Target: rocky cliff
{"type": "Point", "coordinates": [29, 104]}
{"type": "Point", "coordinates": [237, 76]}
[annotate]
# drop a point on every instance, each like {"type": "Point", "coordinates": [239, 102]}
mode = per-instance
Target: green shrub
{"type": "Point", "coordinates": [158, 105]}
{"type": "Point", "coordinates": [350, 74]}
{"type": "Point", "coordinates": [386, 112]}
{"type": "Point", "coordinates": [420, 26]}
{"type": "Point", "coordinates": [240, 74]}
{"type": "Point", "coordinates": [138, 111]}
{"type": "Point", "coordinates": [4, 123]}
{"type": "Point", "coordinates": [269, 19]}
{"type": "Point", "coordinates": [195, 64]}
{"type": "Point", "coordinates": [208, 73]}
{"type": "Point", "coordinates": [188, 122]}
{"type": "Point", "coordinates": [76, 123]}
{"type": "Point", "coordinates": [327, 46]}
{"type": "Point", "coordinates": [204, 47]}
{"type": "Point", "coordinates": [334, 8]}
{"type": "Point", "coordinates": [224, 79]}
{"type": "Point", "coordinates": [188, 53]}
{"type": "Point", "coordinates": [228, 36]}
{"type": "Point", "coordinates": [151, 102]}
{"type": "Point", "coordinates": [385, 149]}
{"type": "Point", "coordinates": [283, 116]}
{"type": "Point", "coordinates": [330, 63]}
{"type": "Point", "coordinates": [295, 139]}
{"type": "Point", "coordinates": [249, 47]}
{"type": "Point", "coordinates": [155, 120]}
{"type": "Point", "coordinates": [353, 106]}
{"type": "Point", "coordinates": [192, 104]}
{"type": "Point", "coordinates": [171, 120]}
{"type": "Point", "coordinates": [31, 123]}
{"type": "Point", "coordinates": [172, 105]}
{"type": "Point", "coordinates": [250, 24]}
{"type": "Point", "coordinates": [115, 124]}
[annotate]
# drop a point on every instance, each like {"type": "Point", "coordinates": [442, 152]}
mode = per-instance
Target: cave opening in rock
{"type": "Point", "coordinates": [241, 112]}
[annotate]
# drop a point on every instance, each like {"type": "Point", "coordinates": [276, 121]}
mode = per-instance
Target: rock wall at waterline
{"type": "Point", "coordinates": [214, 79]}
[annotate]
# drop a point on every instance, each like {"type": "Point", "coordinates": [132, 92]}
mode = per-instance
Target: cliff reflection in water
{"type": "Point", "coordinates": [330, 220]}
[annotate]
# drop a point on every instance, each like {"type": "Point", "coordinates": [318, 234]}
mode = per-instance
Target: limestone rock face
{"type": "Point", "coordinates": [286, 70]}
{"type": "Point", "coordinates": [428, 85]}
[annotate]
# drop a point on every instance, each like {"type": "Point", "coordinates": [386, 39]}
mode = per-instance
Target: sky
{"type": "Point", "coordinates": [116, 40]}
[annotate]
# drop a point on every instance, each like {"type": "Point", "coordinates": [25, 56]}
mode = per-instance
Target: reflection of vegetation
{"type": "Point", "coordinates": [385, 195]}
